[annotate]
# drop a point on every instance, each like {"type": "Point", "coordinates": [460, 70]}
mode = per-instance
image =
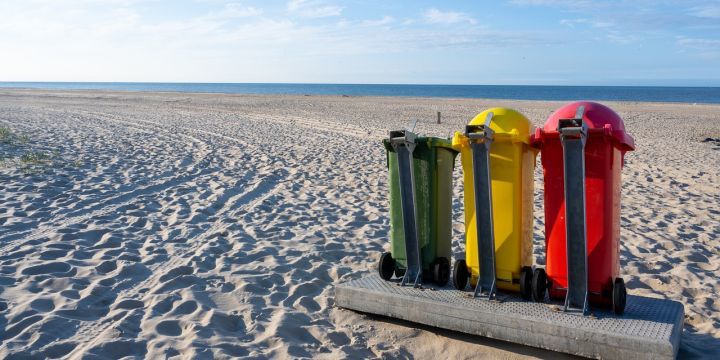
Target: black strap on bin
{"type": "Point", "coordinates": [481, 138]}
{"type": "Point", "coordinates": [573, 134]}
{"type": "Point", "coordinates": [403, 142]}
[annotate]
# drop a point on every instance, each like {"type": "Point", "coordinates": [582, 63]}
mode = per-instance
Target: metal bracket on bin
{"type": "Point", "coordinates": [403, 142]}
{"type": "Point", "coordinates": [573, 134]}
{"type": "Point", "coordinates": [480, 138]}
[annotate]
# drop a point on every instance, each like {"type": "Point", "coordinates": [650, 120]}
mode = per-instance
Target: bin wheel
{"type": "Point", "coordinates": [539, 285]}
{"type": "Point", "coordinates": [460, 274]}
{"type": "Point", "coordinates": [386, 267]}
{"type": "Point", "coordinates": [619, 296]}
{"type": "Point", "coordinates": [526, 276]}
{"type": "Point", "coordinates": [441, 271]}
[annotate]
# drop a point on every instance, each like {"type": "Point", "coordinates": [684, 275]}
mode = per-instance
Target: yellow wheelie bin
{"type": "Point", "coordinates": [498, 164]}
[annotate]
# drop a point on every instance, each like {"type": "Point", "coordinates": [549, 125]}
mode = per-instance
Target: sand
{"type": "Point", "coordinates": [199, 225]}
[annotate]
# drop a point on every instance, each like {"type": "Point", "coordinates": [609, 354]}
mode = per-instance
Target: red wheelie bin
{"type": "Point", "coordinates": [582, 147]}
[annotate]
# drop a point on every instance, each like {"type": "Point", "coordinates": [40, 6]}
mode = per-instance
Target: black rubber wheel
{"type": "Point", "coordinates": [428, 276]}
{"type": "Point", "coordinates": [386, 267]}
{"type": "Point", "coordinates": [619, 296]}
{"type": "Point", "coordinates": [526, 276]}
{"type": "Point", "coordinates": [460, 274]}
{"type": "Point", "coordinates": [539, 285]}
{"type": "Point", "coordinates": [441, 271]}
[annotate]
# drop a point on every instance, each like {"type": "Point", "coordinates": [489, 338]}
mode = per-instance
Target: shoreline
{"type": "Point", "coordinates": [427, 98]}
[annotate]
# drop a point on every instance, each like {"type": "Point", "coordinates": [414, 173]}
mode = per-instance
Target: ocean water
{"type": "Point", "coordinates": [520, 92]}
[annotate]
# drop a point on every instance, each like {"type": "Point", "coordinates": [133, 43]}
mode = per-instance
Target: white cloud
{"type": "Point", "coordinates": [702, 44]}
{"type": "Point", "coordinates": [313, 8]}
{"type": "Point", "coordinates": [563, 3]}
{"type": "Point", "coordinates": [603, 24]}
{"type": "Point", "coordinates": [386, 20]}
{"type": "Point", "coordinates": [608, 30]}
{"type": "Point", "coordinates": [234, 11]}
{"type": "Point", "coordinates": [620, 38]}
{"type": "Point", "coordinates": [708, 49]}
{"type": "Point", "coordinates": [706, 11]}
{"type": "Point", "coordinates": [572, 22]}
{"type": "Point", "coordinates": [435, 16]}
{"type": "Point", "coordinates": [112, 41]}
{"type": "Point", "coordinates": [590, 22]}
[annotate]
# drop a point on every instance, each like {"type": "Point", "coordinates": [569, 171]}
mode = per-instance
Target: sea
{"type": "Point", "coordinates": [709, 95]}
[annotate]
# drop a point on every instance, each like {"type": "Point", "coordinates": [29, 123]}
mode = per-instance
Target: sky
{"type": "Point", "coordinates": [533, 42]}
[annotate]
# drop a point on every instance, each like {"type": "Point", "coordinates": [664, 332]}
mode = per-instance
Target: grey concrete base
{"type": "Point", "coordinates": [649, 329]}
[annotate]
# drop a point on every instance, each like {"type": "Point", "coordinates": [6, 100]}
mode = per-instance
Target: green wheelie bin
{"type": "Point", "coordinates": [420, 182]}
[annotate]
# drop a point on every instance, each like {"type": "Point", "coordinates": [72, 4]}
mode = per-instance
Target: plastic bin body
{"type": "Point", "coordinates": [433, 163]}
{"type": "Point", "coordinates": [512, 163]}
{"type": "Point", "coordinates": [605, 148]}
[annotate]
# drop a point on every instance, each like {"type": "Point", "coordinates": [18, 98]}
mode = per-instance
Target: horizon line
{"type": "Point", "coordinates": [343, 83]}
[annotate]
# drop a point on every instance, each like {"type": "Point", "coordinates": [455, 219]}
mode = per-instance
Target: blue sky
{"type": "Point", "coordinates": [573, 42]}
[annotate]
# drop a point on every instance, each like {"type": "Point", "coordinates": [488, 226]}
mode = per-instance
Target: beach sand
{"type": "Point", "coordinates": [205, 225]}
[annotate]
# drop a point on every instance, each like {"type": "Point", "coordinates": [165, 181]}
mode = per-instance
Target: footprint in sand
{"type": "Point", "coordinates": [119, 349]}
{"type": "Point", "coordinates": [169, 328]}
{"type": "Point", "coordinates": [178, 271]}
{"type": "Point", "coordinates": [228, 323]}
{"type": "Point", "coordinates": [165, 305]}
{"type": "Point", "coordinates": [56, 351]}
{"type": "Point", "coordinates": [106, 267]}
{"type": "Point", "coordinates": [129, 304]}
{"type": "Point", "coordinates": [60, 268]}
{"type": "Point", "coordinates": [53, 254]}
{"type": "Point", "coordinates": [185, 308]}
{"type": "Point", "coordinates": [43, 305]}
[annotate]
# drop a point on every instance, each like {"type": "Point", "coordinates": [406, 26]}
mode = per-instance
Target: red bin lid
{"type": "Point", "coordinates": [596, 116]}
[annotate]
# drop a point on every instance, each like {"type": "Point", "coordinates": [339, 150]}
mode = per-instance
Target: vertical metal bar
{"type": "Point", "coordinates": [573, 134]}
{"type": "Point", "coordinates": [481, 138]}
{"type": "Point", "coordinates": [404, 145]}
{"type": "Point", "coordinates": [483, 219]}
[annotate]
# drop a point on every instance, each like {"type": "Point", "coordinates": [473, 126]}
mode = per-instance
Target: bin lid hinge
{"type": "Point", "coordinates": [402, 137]}
{"type": "Point", "coordinates": [481, 133]}
{"type": "Point", "coordinates": [574, 128]}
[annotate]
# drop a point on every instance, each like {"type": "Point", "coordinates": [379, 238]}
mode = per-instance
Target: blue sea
{"type": "Point", "coordinates": [520, 92]}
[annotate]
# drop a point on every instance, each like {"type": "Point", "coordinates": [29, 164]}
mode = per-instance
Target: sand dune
{"type": "Point", "coordinates": [200, 226]}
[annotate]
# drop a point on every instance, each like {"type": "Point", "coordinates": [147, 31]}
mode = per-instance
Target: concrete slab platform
{"type": "Point", "coordinates": [649, 329]}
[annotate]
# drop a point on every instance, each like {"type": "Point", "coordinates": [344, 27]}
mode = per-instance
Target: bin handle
{"type": "Point", "coordinates": [403, 141]}
{"type": "Point", "coordinates": [481, 138]}
{"type": "Point", "coordinates": [573, 134]}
